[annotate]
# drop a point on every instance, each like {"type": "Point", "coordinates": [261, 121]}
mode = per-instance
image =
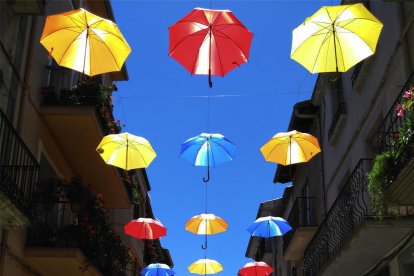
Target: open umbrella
{"type": "Point", "coordinates": [210, 42]}
{"type": "Point", "coordinates": [126, 151]}
{"type": "Point", "coordinates": [292, 147]}
{"type": "Point", "coordinates": [157, 269]}
{"type": "Point", "coordinates": [85, 42]}
{"type": "Point", "coordinates": [269, 226]}
{"type": "Point", "coordinates": [145, 229]}
{"type": "Point", "coordinates": [256, 269]}
{"type": "Point", "coordinates": [208, 150]}
{"type": "Point", "coordinates": [205, 266]}
{"type": "Point", "coordinates": [335, 38]}
{"type": "Point", "coordinates": [206, 224]}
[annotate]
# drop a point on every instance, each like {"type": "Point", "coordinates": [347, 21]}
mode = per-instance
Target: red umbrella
{"type": "Point", "coordinates": [210, 42]}
{"type": "Point", "coordinates": [145, 229]}
{"type": "Point", "coordinates": [256, 269]}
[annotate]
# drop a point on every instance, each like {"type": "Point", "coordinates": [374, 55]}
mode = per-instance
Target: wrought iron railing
{"type": "Point", "coordinates": [55, 224]}
{"type": "Point", "coordinates": [64, 87]}
{"type": "Point", "coordinates": [346, 214]}
{"type": "Point", "coordinates": [302, 214]}
{"type": "Point", "coordinates": [396, 133]}
{"type": "Point", "coordinates": [392, 123]}
{"type": "Point", "coordinates": [18, 167]}
{"type": "Point", "coordinates": [355, 73]}
{"type": "Point", "coordinates": [66, 224]}
{"type": "Point", "coordinates": [339, 112]}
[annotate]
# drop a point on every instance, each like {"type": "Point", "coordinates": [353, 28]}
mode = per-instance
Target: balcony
{"type": "Point", "coordinates": [29, 7]}
{"type": "Point", "coordinates": [355, 73]}
{"type": "Point", "coordinates": [349, 234]}
{"type": "Point", "coordinates": [337, 122]}
{"type": "Point", "coordinates": [303, 221]}
{"type": "Point", "coordinates": [77, 119]}
{"type": "Point", "coordinates": [396, 137]}
{"type": "Point", "coordinates": [70, 235]}
{"type": "Point", "coordinates": [18, 177]}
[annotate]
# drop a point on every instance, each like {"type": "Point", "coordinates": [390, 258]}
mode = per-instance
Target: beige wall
{"type": "Point", "coordinates": [379, 82]}
{"type": "Point", "coordinates": [27, 96]}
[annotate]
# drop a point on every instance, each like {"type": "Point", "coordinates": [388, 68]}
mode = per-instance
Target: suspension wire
{"type": "Point", "coordinates": [124, 117]}
{"type": "Point", "coordinates": [208, 113]}
{"type": "Point", "coordinates": [211, 96]}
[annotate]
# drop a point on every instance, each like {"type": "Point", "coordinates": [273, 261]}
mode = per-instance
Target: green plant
{"type": "Point", "coordinates": [378, 179]}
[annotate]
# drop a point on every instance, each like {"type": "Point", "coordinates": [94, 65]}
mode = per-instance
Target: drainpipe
{"type": "Point", "coordinates": [406, 22]}
{"type": "Point", "coordinates": [28, 66]}
{"type": "Point", "coordinates": [319, 125]}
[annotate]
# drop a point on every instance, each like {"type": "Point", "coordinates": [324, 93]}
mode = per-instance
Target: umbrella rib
{"type": "Point", "coordinates": [73, 29]}
{"type": "Point", "coordinates": [357, 36]}
{"type": "Point", "coordinates": [190, 35]}
{"type": "Point", "coordinates": [219, 56]}
{"type": "Point", "coordinates": [100, 40]}
{"type": "Point", "coordinates": [67, 49]}
{"type": "Point", "coordinates": [231, 41]}
{"type": "Point", "coordinates": [114, 142]}
{"type": "Point", "coordinates": [319, 33]}
{"type": "Point", "coordinates": [143, 159]}
{"type": "Point", "coordinates": [319, 51]}
{"type": "Point", "coordinates": [198, 53]}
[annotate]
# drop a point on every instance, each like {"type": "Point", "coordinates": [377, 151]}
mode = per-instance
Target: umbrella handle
{"type": "Point", "coordinates": [210, 82]}
{"type": "Point", "coordinates": [206, 179]}
{"type": "Point", "coordinates": [335, 78]}
{"type": "Point", "coordinates": [204, 246]}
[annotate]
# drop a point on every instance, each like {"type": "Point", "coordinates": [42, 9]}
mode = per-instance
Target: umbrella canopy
{"type": "Point", "coordinates": [335, 38]}
{"type": "Point", "coordinates": [145, 229]}
{"type": "Point", "coordinates": [208, 150]}
{"type": "Point", "coordinates": [157, 269]}
{"type": "Point", "coordinates": [269, 226]}
{"type": "Point", "coordinates": [210, 42]}
{"type": "Point", "coordinates": [206, 224]}
{"type": "Point", "coordinates": [256, 269]}
{"type": "Point", "coordinates": [126, 151]}
{"type": "Point", "coordinates": [205, 266]}
{"type": "Point", "coordinates": [85, 42]}
{"type": "Point", "coordinates": [292, 147]}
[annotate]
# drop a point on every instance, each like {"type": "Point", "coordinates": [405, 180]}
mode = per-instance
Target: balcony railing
{"type": "Point", "coordinates": [339, 112]}
{"type": "Point", "coordinates": [18, 167]}
{"type": "Point", "coordinates": [356, 72]}
{"type": "Point", "coordinates": [396, 132]}
{"type": "Point", "coordinates": [80, 222]}
{"type": "Point", "coordinates": [64, 88]}
{"type": "Point", "coordinates": [346, 214]}
{"type": "Point", "coordinates": [302, 214]}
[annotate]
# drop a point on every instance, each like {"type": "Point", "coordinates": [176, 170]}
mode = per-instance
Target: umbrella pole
{"type": "Point", "coordinates": [290, 158]}
{"type": "Point", "coordinates": [208, 163]}
{"type": "Point", "coordinates": [86, 47]}
{"type": "Point", "coordinates": [336, 57]}
{"type": "Point", "coordinates": [210, 82]}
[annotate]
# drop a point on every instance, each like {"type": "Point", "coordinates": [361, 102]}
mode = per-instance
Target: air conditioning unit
{"type": "Point", "coordinates": [36, 7]}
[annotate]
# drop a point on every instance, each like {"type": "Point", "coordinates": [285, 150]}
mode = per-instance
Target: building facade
{"type": "Point", "coordinates": [351, 206]}
{"type": "Point", "coordinates": [62, 208]}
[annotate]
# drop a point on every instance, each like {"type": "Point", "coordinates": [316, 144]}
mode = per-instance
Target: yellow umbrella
{"type": "Point", "coordinates": [126, 151]}
{"type": "Point", "coordinates": [205, 266]}
{"type": "Point", "coordinates": [85, 42]}
{"type": "Point", "coordinates": [292, 147]}
{"type": "Point", "coordinates": [206, 224]}
{"type": "Point", "coordinates": [335, 38]}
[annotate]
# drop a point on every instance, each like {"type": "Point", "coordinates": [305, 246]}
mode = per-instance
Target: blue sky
{"type": "Point", "coordinates": [165, 104]}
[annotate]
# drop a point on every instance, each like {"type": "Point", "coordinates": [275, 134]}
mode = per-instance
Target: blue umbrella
{"type": "Point", "coordinates": [208, 150]}
{"type": "Point", "coordinates": [157, 269]}
{"type": "Point", "coordinates": [269, 226]}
